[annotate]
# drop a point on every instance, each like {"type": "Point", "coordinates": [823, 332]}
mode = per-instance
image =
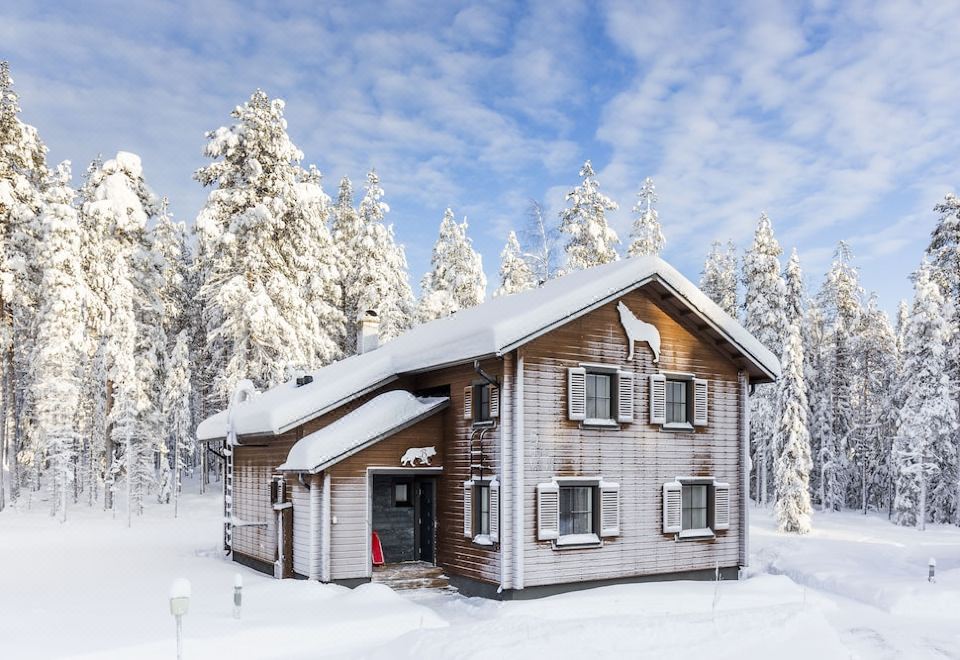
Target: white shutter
{"type": "Point", "coordinates": [699, 402]}
{"type": "Point", "coordinates": [658, 399]}
{"type": "Point", "coordinates": [672, 511]}
{"type": "Point", "coordinates": [468, 402]}
{"type": "Point", "coordinates": [468, 509]}
{"type": "Point", "coordinates": [495, 511]}
{"type": "Point", "coordinates": [494, 401]}
{"type": "Point", "coordinates": [577, 393]}
{"type": "Point", "coordinates": [548, 511]}
{"type": "Point", "coordinates": [625, 396]}
{"type": "Point", "coordinates": [721, 506]}
{"type": "Point", "coordinates": [609, 509]}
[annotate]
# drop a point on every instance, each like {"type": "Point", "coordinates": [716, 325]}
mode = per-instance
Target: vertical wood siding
{"type": "Point", "coordinates": [639, 456]}
{"type": "Point", "coordinates": [300, 497]}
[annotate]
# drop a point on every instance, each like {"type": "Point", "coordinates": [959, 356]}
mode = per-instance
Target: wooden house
{"type": "Point", "coordinates": [588, 432]}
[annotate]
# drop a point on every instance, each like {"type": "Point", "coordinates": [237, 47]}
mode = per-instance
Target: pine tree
{"type": "Point", "coordinates": [58, 351]}
{"type": "Point", "coordinates": [379, 280]}
{"type": "Point", "coordinates": [792, 461]}
{"type": "Point", "coordinates": [270, 295]}
{"type": "Point", "coordinates": [541, 245]}
{"type": "Point", "coordinates": [928, 418]}
{"type": "Point", "coordinates": [515, 273]}
{"type": "Point", "coordinates": [177, 415]}
{"type": "Point", "coordinates": [168, 242]}
{"type": "Point", "coordinates": [817, 372]}
{"type": "Point", "coordinates": [346, 227]}
{"type": "Point", "coordinates": [647, 236]}
{"type": "Point", "coordinates": [719, 277]}
{"type": "Point", "coordinates": [764, 316]}
{"type": "Point", "coordinates": [456, 280]}
{"type": "Point", "coordinates": [592, 241]}
{"type": "Point", "coordinates": [23, 171]}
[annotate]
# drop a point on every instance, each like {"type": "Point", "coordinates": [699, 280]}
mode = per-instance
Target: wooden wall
{"type": "Point", "coordinates": [639, 456]}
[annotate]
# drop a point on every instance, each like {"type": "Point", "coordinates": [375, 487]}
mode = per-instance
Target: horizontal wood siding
{"type": "Point", "coordinates": [639, 456]}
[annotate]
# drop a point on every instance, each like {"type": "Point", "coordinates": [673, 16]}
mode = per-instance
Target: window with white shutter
{"type": "Point", "coordinates": [721, 506]}
{"type": "Point", "coordinates": [672, 509]}
{"type": "Point", "coordinates": [495, 511]}
{"type": "Point", "coordinates": [658, 399]}
{"type": "Point", "coordinates": [699, 402]}
{"type": "Point", "coordinates": [494, 401]}
{"type": "Point", "coordinates": [468, 509]}
{"type": "Point", "coordinates": [548, 511]}
{"type": "Point", "coordinates": [609, 509]}
{"type": "Point", "coordinates": [468, 402]}
{"type": "Point", "coordinates": [577, 393]}
{"type": "Point", "coordinates": [625, 396]}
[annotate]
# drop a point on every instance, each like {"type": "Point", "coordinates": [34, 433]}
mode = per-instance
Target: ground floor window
{"type": "Point", "coordinates": [694, 504]}
{"type": "Point", "coordinates": [482, 494]}
{"type": "Point", "coordinates": [576, 510]}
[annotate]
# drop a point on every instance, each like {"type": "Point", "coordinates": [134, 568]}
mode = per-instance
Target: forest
{"type": "Point", "coordinates": [121, 329]}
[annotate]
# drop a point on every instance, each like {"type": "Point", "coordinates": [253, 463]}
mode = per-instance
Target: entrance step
{"type": "Point", "coordinates": [412, 575]}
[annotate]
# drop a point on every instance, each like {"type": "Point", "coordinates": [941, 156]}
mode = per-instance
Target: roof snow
{"type": "Point", "coordinates": [492, 328]}
{"type": "Point", "coordinates": [378, 418]}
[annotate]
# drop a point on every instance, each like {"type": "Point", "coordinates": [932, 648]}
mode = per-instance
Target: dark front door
{"type": "Point", "coordinates": [425, 519]}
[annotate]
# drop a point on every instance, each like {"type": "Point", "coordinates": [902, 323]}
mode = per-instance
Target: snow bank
{"type": "Point", "coordinates": [488, 329]}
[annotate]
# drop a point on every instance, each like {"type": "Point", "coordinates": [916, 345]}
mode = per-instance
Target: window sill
{"type": "Point", "coordinates": [606, 423]}
{"type": "Point", "coordinates": [482, 539]}
{"type": "Point", "coordinates": [677, 426]}
{"type": "Point", "coordinates": [484, 424]}
{"type": "Point", "coordinates": [577, 541]}
{"type": "Point", "coordinates": [705, 533]}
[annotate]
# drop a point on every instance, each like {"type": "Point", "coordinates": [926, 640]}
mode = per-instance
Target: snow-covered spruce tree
{"type": "Point", "coordinates": [378, 277]}
{"type": "Point", "coordinates": [839, 301]}
{"type": "Point", "coordinates": [177, 416]}
{"type": "Point", "coordinates": [541, 244]}
{"type": "Point", "coordinates": [875, 409]}
{"type": "Point", "coordinates": [928, 418]}
{"type": "Point", "coordinates": [168, 241]}
{"type": "Point", "coordinates": [22, 173]}
{"type": "Point", "coordinates": [592, 241]}
{"type": "Point", "coordinates": [647, 236]}
{"type": "Point", "coordinates": [515, 273]}
{"type": "Point", "coordinates": [456, 280]}
{"type": "Point", "coordinates": [792, 462]}
{"type": "Point", "coordinates": [817, 371]}
{"type": "Point", "coordinates": [719, 277]}
{"type": "Point", "coordinates": [944, 255]}
{"type": "Point", "coordinates": [764, 316]}
{"type": "Point", "coordinates": [58, 356]}
{"type": "Point", "coordinates": [265, 291]}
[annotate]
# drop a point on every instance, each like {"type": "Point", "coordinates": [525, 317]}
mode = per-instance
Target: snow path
{"type": "Point", "coordinates": [92, 588]}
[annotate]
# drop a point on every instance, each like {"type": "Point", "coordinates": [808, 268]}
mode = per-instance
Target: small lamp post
{"type": "Point", "coordinates": [179, 604]}
{"type": "Point", "coordinates": [932, 565]}
{"type": "Point", "coordinates": [237, 594]}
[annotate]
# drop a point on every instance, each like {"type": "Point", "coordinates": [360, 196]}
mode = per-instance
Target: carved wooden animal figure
{"type": "Point", "coordinates": [421, 454]}
{"type": "Point", "coordinates": [638, 330]}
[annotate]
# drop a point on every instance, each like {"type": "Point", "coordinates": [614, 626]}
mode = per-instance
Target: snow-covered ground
{"type": "Point", "coordinates": [93, 588]}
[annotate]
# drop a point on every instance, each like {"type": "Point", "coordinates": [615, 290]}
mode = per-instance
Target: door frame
{"type": "Point", "coordinates": [399, 472]}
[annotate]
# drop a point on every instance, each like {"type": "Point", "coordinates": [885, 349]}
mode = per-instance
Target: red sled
{"type": "Point", "coordinates": [377, 550]}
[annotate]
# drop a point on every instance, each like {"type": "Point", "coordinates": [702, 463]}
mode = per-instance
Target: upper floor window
{"type": "Point", "coordinates": [481, 406]}
{"type": "Point", "coordinates": [677, 401]}
{"type": "Point", "coordinates": [599, 400]}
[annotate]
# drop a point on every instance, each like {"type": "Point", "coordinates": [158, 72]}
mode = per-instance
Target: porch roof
{"type": "Point", "coordinates": [378, 418]}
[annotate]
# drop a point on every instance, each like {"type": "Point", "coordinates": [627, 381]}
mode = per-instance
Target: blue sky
{"type": "Point", "coordinates": [837, 119]}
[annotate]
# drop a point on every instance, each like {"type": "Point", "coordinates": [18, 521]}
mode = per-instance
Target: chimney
{"type": "Point", "coordinates": [368, 332]}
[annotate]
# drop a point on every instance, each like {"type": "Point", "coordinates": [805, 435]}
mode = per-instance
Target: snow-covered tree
{"type": "Point", "coordinates": [378, 279]}
{"type": "Point", "coordinates": [23, 171]}
{"type": "Point", "coordinates": [764, 316]}
{"type": "Point", "coordinates": [592, 241]}
{"type": "Point", "coordinates": [168, 242]}
{"type": "Point", "coordinates": [647, 236]}
{"type": "Point", "coordinates": [792, 461]}
{"type": "Point", "coordinates": [456, 279]}
{"type": "Point", "coordinates": [928, 418]}
{"type": "Point", "coordinates": [177, 411]}
{"type": "Point", "coordinates": [719, 277]}
{"type": "Point", "coordinates": [515, 273]}
{"type": "Point", "coordinates": [270, 294]}
{"type": "Point", "coordinates": [59, 348]}
{"type": "Point", "coordinates": [541, 244]}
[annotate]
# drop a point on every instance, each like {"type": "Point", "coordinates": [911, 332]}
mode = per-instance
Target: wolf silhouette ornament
{"type": "Point", "coordinates": [638, 330]}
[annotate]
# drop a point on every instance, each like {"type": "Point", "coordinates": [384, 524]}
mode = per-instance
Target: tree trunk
{"type": "Point", "coordinates": [922, 514]}
{"type": "Point", "coordinates": [108, 451]}
{"type": "Point", "coordinates": [863, 480]}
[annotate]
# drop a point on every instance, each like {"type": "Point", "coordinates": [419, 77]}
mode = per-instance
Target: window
{"type": "Point", "coordinates": [481, 405]}
{"type": "Point", "coordinates": [401, 494]}
{"type": "Point", "coordinates": [599, 398]}
{"type": "Point", "coordinates": [676, 391]}
{"type": "Point", "coordinates": [483, 509]}
{"type": "Point", "coordinates": [576, 510]}
{"type": "Point", "coordinates": [694, 506]}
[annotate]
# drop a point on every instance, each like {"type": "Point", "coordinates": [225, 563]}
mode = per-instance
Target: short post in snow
{"type": "Point", "coordinates": [932, 565]}
{"type": "Point", "coordinates": [237, 594]}
{"type": "Point", "coordinates": [179, 604]}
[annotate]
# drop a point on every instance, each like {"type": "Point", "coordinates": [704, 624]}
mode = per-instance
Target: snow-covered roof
{"type": "Point", "coordinates": [492, 328]}
{"type": "Point", "coordinates": [378, 418]}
